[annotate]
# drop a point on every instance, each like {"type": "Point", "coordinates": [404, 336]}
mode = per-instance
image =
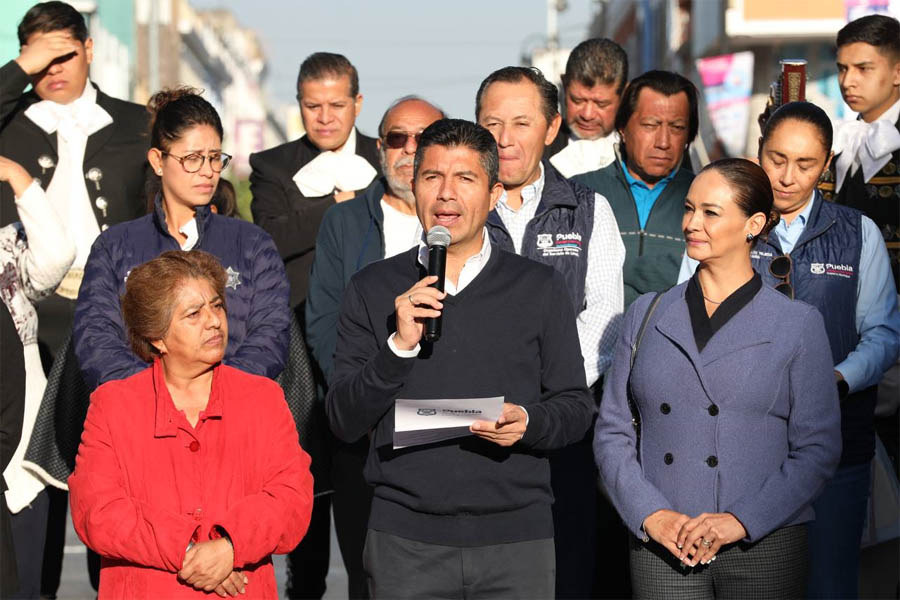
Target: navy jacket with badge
{"type": "Point", "coordinates": [256, 294]}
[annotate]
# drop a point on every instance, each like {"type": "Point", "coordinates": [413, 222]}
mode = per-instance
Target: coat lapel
{"type": "Point", "coordinates": [99, 139]}
{"type": "Point", "coordinates": [675, 324]}
{"type": "Point", "coordinates": [751, 326]}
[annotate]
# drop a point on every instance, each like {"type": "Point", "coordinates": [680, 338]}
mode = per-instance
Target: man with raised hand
{"type": "Point", "coordinates": [379, 223]}
{"type": "Point", "coordinates": [468, 516]}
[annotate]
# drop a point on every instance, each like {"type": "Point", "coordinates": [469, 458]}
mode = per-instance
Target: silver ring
{"type": "Point", "coordinates": [409, 297]}
{"type": "Point", "coordinates": [706, 542]}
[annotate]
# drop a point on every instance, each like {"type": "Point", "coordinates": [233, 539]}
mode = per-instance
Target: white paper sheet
{"type": "Point", "coordinates": [418, 422]}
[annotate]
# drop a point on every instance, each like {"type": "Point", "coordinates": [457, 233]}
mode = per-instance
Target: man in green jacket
{"type": "Point", "coordinates": [646, 186]}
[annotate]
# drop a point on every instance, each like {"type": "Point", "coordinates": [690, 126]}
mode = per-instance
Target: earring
{"type": "Point", "coordinates": [750, 237]}
{"type": "Point", "coordinates": [159, 171]}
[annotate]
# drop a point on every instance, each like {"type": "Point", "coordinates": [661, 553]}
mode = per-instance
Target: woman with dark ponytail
{"type": "Point", "coordinates": [833, 258]}
{"type": "Point", "coordinates": [719, 422]}
{"type": "Point", "coordinates": [186, 159]}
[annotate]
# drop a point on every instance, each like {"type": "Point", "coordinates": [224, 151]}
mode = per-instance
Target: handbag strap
{"type": "Point", "coordinates": [635, 415]}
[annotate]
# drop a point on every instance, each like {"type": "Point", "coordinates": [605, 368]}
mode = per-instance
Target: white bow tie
{"type": "Point", "coordinates": [81, 116]}
{"type": "Point", "coordinates": [582, 156]}
{"type": "Point", "coordinates": [869, 143]}
{"type": "Point", "coordinates": [331, 171]}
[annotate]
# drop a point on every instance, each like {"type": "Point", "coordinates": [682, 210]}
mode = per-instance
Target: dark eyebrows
{"type": "Point", "coordinates": [471, 174]}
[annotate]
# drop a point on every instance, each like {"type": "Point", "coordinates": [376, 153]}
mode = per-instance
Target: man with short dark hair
{"type": "Point", "coordinates": [865, 172]}
{"type": "Point", "coordinates": [646, 185]}
{"type": "Point", "coordinates": [595, 77]}
{"type": "Point", "coordinates": [379, 223]}
{"type": "Point", "coordinates": [545, 217]}
{"type": "Point", "coordinates": [467, 517]}
{"type": "Point", "coordinates": [295, 183]}
{"type": "Point", "coordinates": [87, 153]}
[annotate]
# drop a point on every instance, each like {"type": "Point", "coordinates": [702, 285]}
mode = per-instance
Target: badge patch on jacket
{"type": "Point", "coordinates": [234, 278]}
{"type": "Point", "coordinates": [562, 244]}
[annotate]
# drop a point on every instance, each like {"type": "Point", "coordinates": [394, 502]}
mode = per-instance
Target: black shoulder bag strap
{"type": "Point", "coordinates": [635, 415]}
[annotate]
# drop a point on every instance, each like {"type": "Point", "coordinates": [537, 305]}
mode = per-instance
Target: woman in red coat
{"type": "Point", "coordinates": [189, 475]}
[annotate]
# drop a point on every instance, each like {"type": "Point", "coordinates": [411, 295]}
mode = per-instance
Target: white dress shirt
{"type": "Point", "coordinates": [401, 231]}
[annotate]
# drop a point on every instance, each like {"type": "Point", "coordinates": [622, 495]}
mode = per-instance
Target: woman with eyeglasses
{"type": "Point", "coordinates": [187, 159]}
{"type": "Point", "coordinates": [719, 423]}
{"type": "Point", "coordinates": [834, 258]}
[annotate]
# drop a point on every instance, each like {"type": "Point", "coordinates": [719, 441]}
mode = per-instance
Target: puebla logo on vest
{"type": "Point", "coordinates": [845, 271]}
{"type": "Point", "coordinates": [561, 244]}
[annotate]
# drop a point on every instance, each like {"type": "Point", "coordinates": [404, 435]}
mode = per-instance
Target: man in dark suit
{"type": "Point", "coordinates": [294, 184]}
{"type": "Point", "coordinates": [87, 152]}
{"type": "Point", "coordinates": [595, 77]}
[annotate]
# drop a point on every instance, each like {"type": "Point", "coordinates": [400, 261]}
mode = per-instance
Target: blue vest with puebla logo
{"type": "Point", "coordinates": [560, 232]}
{"type": "Point", "coordinates": [825, 274]}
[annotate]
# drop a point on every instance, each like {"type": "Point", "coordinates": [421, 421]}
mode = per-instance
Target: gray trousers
{"type": "Point", "coordinates": [774, 567]}
{"type": "Point", "coordinates": [399, 568]}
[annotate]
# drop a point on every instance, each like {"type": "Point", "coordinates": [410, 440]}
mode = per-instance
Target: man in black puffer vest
{"type": "Point", "coordinates": [554, 221]}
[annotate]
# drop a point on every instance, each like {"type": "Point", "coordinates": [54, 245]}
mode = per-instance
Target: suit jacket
{"type": "Point", "coordinates": [878, 198]}
{"type": "Point", "coordinates": [119, 151]}
{"type": "Point", "coordinates": [288, 216]}
{"type": "Point", "coordinates": [750, 425]}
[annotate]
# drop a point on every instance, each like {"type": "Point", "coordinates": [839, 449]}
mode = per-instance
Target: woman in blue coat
{"type": "Point", "coordinates": [187, 159]}
{"type": "Point", "coordinates": [739, 421]}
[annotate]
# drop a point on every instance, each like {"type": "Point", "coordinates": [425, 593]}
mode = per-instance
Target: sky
{"type": "Point", "coordinates": [439, 50]}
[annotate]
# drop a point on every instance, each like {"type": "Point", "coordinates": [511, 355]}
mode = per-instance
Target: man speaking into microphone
{"type": "Point", "coordinates": [468, 516]}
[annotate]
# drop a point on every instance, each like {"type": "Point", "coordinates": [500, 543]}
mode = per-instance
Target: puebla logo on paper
{"type": "Point", "coordinates": [561, 244]}
{"type": "Point", "coordinates": [426, 412]}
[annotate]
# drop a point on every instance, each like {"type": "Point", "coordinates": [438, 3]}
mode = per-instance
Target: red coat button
{"type": "Point", "coordinates": [195, 445]}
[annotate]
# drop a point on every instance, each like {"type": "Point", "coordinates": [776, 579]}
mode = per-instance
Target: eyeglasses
{"type": "Point", "coordinates": [194, 162]}
{"type": "Point", "coordinates": [397, 139]}
{"type": "Point", "coordinates": [780, 267]}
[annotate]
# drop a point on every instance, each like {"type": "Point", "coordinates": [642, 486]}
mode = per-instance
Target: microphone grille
{"type": "Point", "coordinates": [438, 236]}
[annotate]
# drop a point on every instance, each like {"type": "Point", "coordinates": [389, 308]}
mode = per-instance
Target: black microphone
{"type": "Point", "coordinates": [438, 239]}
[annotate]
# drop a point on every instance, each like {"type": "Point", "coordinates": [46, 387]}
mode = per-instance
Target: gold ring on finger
{"type": "Point", "coordinates": [411, 301]}
{"type": "Point", "coordinates": [707, 543]}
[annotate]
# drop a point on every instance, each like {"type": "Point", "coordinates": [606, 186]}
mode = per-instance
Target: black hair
{"type": "Point", "coordinates": [806, 112]}
{"type": "Point", "coordinates": [548, 92]}
{"type": "Point", "coordinates": [880, 31]}
{"type": "Point", "coordinates": [321, 65]}
{"type": "Point", "coordinates": [455, 133]}
{"type": "Point", "coordinates": [597, 61]}
{"type": "Point", "coordinates": [172, 112]}
{"type": "Point", "coordinates": [663, 82]}
{"type": "Point", "coordinates": [751, 187]}
{"type": "Point", "coordinates": [400, 101]}
{"type": "Point", "coordinates": [225, 199]}
{"type": "Point", "coordinates": [52, 16]}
